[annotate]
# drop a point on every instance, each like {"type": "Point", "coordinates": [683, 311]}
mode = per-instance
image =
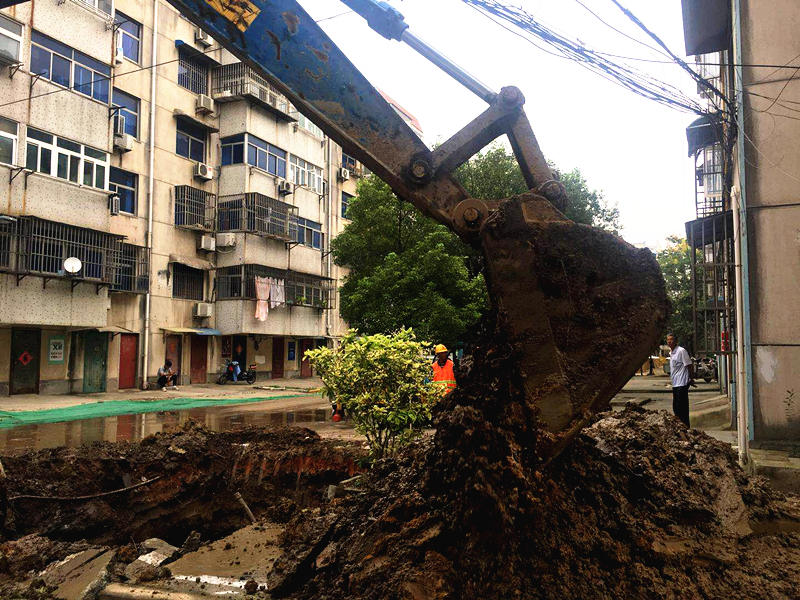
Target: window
{"type": "Point", "coordinates": [123, 184]}
{"type": "Point", "coordinates": [129, 108]}
{"type": "Point", "coordinates": [308, 233]}
{"type": "Point", "coordinates": [348, 162]}
{"type": "Point", "coordinates": [303, 122]}
{"type": "Point", "coordinates": [129, 37]}
{"type": "Point", "coordinates": [266, 156]}
{"type": "Point", "coordinates": [346, 198]}
{"type": "Point", "coordinates": [190, 141]}
{"type": "Point", "coordinates": [10, 40]}
{"type": "Point", "coordinates": [101, 5]}
{"type": "Point", "coordinates": [65, 159]}
{"type": "Point", "coordinates": [306, 174]}
{"type": "Point", "coordinates": [8, 141]}
{"type": "Point", "coordinates": [233, 150]}
{"type": "Point", "coordinates": [192, 73]}
{"type": "Point", "coordinates": [61, 64]}
{"type": "Point", "coordinates": [187, 283]}
{"type": "Point", "coordinates": [712, 170]}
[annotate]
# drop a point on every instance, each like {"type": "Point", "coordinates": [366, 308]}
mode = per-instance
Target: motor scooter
{"type": "Point", "coordinates": [228, 370]}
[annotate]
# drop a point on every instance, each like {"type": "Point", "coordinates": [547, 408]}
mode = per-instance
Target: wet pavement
{"type": "Point", "coordinates": [312, 412]}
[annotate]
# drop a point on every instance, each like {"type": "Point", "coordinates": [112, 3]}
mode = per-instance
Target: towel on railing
{"type": "Point", "coordinates": [262, 296]}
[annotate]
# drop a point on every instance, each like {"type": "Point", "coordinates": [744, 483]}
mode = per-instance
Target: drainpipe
{"type": "Point", "coordinates": [744, 315]}
{"type": "Point", "coordinates": [741, 375]}
{"type": "Point", "coordinates": [150, 187]}
{"type": "Point", "coordinates": [328, 222]}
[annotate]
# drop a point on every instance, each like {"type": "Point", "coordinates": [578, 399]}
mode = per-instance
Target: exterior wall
{"type": "Point", "coordinates": [769, 34]}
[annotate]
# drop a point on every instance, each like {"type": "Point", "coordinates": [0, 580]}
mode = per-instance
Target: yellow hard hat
{"type": "Point", "coordinates": [440, 348]}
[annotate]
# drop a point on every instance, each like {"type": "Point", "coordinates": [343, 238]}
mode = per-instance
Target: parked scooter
{"type": "Point", "coordinates": [705, 368]}
{"type": "Point", "coordinates": [229, 369]}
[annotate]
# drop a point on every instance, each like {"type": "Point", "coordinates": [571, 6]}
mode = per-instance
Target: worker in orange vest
{"type": "Point", "coordinates": [443, 369]}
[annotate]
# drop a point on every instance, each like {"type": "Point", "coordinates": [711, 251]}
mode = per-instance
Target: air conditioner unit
{"type": "Point", "coordinates": [344, 174]}
{"type": "Point", "coordinates": [207, 243]}
{"type": "Point", "coordinates": [285, 187]}
{"type": "Point", "coordinates": [119, 52]}
{"type": "Point", "coordinates": [113, 204]}
{"type": "Point", "coordinates": [203, 171]}
{"type": "Point", "coordinates": [204, 104]}
{"type": "Point", "coordinates": [226, 240]}
{"type": "Point", "coordinates": [123, 142]}
{"type": "Point", "coordinates": [203, 309]}
{"type": "Point", "coordinates": [119, 124]}
{"type": "Point", "coordinates": [202, 38]}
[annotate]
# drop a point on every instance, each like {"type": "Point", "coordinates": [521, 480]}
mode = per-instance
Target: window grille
{"type": "Point", "coordinates": [133, 270]}
{"type": "Point", "coordinates": [301, 289]}
{"type": "Point", "coordinates": [188, 283]}
{"type": "Point", "coordinates": [237, 80]}
{"type": "Point", "coordinates": [194, 208]}
{"type": "Point", "coordinates": [256, 213]}
{"type": "Point", "coordinates": [192, 73]}
{"type": "Point", "coordinates": [309, 290]}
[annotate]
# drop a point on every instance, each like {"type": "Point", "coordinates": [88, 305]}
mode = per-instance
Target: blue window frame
{"type": "Point", "coordinates": [308, 232]}
{"type": "Point", "coordinates": [61, 64]}
{"type": "Point", "coordinates": [130, 35]}
{"type": "Point", "coordinates": [129, 108]}
{"type": "Point", "coordinates": [233, 149]}
{"type": "Point", "coordinates": [265, 156]}
{"type": "Point", "coordinates": [346, 198]}
{"type": "Point", "coordinates": [190, 141]}
{"type": "Point", "coordinates": [124, 185]}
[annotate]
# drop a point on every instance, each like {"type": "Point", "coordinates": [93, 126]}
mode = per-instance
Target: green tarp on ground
{"type": "Point", "coordinates": [114, 408]}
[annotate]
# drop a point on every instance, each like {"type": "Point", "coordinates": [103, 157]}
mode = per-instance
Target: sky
{"type": "Point", "coordinates": [631, 148]}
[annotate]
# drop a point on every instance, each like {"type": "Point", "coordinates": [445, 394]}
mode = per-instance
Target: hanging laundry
{"type": "Point", "coordinates": [262, 298]}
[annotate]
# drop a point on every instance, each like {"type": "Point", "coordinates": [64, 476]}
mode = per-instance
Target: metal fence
{"type": "Point", "coordinates": [194, 208]}
{"type": "Point", "coordinates": [133, 270]}
{"type": "Point", "coordinates": [237, 80]}
{"type": "Point", "coordinates": [188, 283]}
{"type": "Point", "coordinates": [256, 213]}
{"type": "Point", "coordinates": [301, 289]}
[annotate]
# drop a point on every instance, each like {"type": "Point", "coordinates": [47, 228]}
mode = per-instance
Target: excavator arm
{"type": "Point", "coordinates": [580, 308]}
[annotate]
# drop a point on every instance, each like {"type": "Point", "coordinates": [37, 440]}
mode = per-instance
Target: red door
{"type": "Point", "coordinates": [305, 365]}
{"type": "Point", "coordinates": [173, 353]}
{"type": "Point", "coordinates": [277, 357]}
{"type": "Point", "coordinates": [199, 357]}
{"type": "Point", "coordinates": [128, 351]}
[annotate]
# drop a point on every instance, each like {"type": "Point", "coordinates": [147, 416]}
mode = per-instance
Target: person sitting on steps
{"type": "Point", "coordinates": [167, 377]}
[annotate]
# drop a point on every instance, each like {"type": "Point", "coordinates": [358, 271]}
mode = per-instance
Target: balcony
{"type": "Point", "coordinates": [132, 273]}
{"type": "Point", "coordinates": [237, 81]}
{"type": "Point", "coordinates": [300, 289]}
{"type": "Point", "coordinates": [256, 213]}
{"type": "Point", "coordinates": [195, 209]}
{"type": "Point", "coordinates": [37, 247]}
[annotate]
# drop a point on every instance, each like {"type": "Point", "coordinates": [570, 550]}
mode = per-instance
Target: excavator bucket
{"type": "Point", "coordinates": [581, 308]}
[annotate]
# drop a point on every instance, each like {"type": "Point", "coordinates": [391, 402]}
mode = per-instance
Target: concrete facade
{"type": "Point", "coordinates": [36, 293]}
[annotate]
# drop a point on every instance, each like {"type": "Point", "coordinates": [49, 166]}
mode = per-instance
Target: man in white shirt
{"type": "Point", "coordinates": [681, 372]}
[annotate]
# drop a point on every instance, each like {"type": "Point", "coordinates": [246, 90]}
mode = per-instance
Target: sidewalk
{"type": "Point", "coordinates": [206, 391]}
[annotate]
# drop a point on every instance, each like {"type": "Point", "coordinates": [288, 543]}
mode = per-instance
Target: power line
{"type": "Point", "coordinates": [347, 12]}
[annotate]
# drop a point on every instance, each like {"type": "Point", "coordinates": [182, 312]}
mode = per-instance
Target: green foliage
{"type": "Point", "coordinates": [675, 263]}
{"type": "Point", "coordinates": [406, 270]}
{"type": "Point", "coordinates": [380, 380]}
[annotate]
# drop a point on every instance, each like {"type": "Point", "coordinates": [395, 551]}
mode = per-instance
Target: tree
{"type": "Point", "coordinates": [675, 263]}
{"type": "Point", "coordinates": [381, 382]}
{"type": "Point", "coordinates": [406, 270]}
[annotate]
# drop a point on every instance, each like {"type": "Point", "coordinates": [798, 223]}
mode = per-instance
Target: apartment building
{"type": "Point", "coordinates": [155, 189]}
{"type": "Point", "coordinates": [748, 173]}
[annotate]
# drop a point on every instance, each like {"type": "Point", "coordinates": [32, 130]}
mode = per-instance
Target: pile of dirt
{"type": "Point", "coordinates": [637, 506]}
{"type": "Point", "coordinates": [170, 484]}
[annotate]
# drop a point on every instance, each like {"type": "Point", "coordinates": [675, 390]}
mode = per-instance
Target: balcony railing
{"type": "Point", "coordinates": [237, 81]}
{"type": "Point", "coordinates": [256, 213]}
{"type": "Point", "coordinates": [300, 289]}
{"type": "Point", "coordinates": [33, 246]}
{"type": "Point", "coordinates": [194, 208]}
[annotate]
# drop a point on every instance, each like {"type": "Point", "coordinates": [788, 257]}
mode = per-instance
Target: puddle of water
{"type": "Point", "coordinates": [135, 427]}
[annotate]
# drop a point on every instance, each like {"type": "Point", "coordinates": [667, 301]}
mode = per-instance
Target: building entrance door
{"type": "Point", "coordinates": [95, 358]}
{"type": "Point", "coordinates": [277, 357]}
{"type": "Point", "coordinates": [25, 353]}
{"type": "Point", "coordinates": [305, 365]}
{"type": "Point", "coordinates": [173, 352]}
{"type": "Point", "coordinates": [128, 346]}
{"type": "Point", "coordinates": [199, 358]}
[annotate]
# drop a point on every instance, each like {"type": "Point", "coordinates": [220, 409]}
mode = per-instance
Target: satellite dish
{"type": "Point", "coordinates": [72, 265]}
